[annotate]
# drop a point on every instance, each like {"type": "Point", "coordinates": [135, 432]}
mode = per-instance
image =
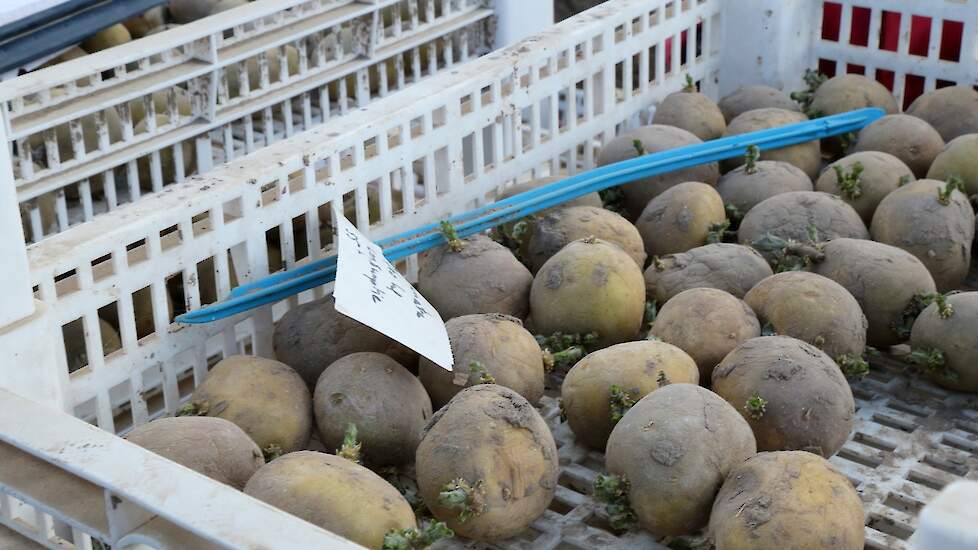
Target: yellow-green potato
{"type": "Point", "coordinates": [168, 168]}
{"type": "Point", "coordinates": [140, 25]}
{"type": "Point", "coordinates": [906, 137]}
{"type": "Point", "coordinates": [107, 38]}
{"type": "Point", "coordinates": [75, 349]}
{"type": "Point", "coordinates": [674, 448]}
{"type": "Point", "coordinates": [210, 446]}
{"type": "Point", "coordinates": [312, 336]}
{"type": "Point", "coordinates": [789, 499]}
{"type": "Point", "coordinates": [742, 189]}
{"type": "Point", "coordinates": [486, 344]}
{"type": "Point", "coordinates": [333, 493]}
{"type": "Point", "coordinates": [812, 308]}
{"type": "Point", "coordinates": [958, 159]}
{"type": "Point", "coordinates": [952, 111]}
{"type": "Point", "coordinates": [953, 337]}
{"type": "Point", "coordinates": [732, 268]}
{"type": "Point", "coordinates": [654, 139]}
{"type": "Point", "coordinates": [863, 179]}
{"type": "Point", "coordinates": [590, 286]}
{"type": "Point", "coordinates": [551, 232]}
{"type": "Point", "coordinates": [186, 11]}
{"type": "Point", "coordinates": [482, 277]}
{"type": "Point", "coordinates": [882, 278]}
{"type": "Point", "coordinates": [806, 156]}
{"type": "Point", "coordinates": [636, 368]}
{"type": "Point", "coordinates": [680, 218]}
{"type": "Point", "coordinates": [795, 215]}
{"type": "Point", "coordinates": [750, 98]}
{"type": "Point", "coordinates": [791, 393]}
{"type": "Point", "coordinates": [386, 403]}
{"type": "Point", "coordinates": [265, 398]}
{"type": "Point", "coordinates": [692, 111]}
{"type": "Point", "coordinates": [487, 463]}
{"type": "Point", "coordinates": [936, 226]}
{"type": "Point", "coordinates": [707, 324]}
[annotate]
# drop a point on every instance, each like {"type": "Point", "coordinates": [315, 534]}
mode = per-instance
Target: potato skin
{"type": "Point", "coordinates": [910, 139]}
{"type": "Point", "coordinates": [848, 92]}
{"type": "Point", "coordinates": [500, 344]}
{"type": "Point", "coordinates": [940, 236]}
{"type": "Point", "coordinates": [809, 405]}
{"type": "Point", "coordinates": [106, 38]}
{"type": "Point", "coordinates": [812, 308]}
{"type": "Point", "coordinates": [745, 191]}
{"type": "Point", "coordinates": [312, 336]}
{"type": "Point", "coordinates": [265, 398]}
{"type": "Point", "coordinates": [882, 278]}
{"type": "Point", "coordinates": [692, 111]}
{"type": "Point", "coordinates": [750, 98]}
{"type": "Point", "coordinates": [680, 218]}
{"type": "Point", "coordinates": [335, 494]}
{"type": "Point", "coordinates": [882, 174]}
{"type": "Point", "coordinates": [789, 216]}
{"type": "Point", "coordinates": [654, 138]}
{"type": "Point", "coordinates": [589, 286]}
{"type": "Point", "coordinates": [732, 268]}
{"type": "Point", "coordinates": [386, 403]}
{"type": "Point", "coordinates": [676, 467]}
{"type": "Point", "coordinates": [591, 199]}
{"type": "Point", "coordinates": [484, 277]}
{"type": "Point", "coordinates": [553, 230]}
{"type": "Point", "coordinates": [489, 433]}
{"type": "Point", "coordinates": [214, 447]}
{"type": "Point", "coordinates": [635, 367]}
{"type": "Point", "coordinates": [788, 499]}
{"type": "Point", "coordinates": [806, 156]}
{"type": "Point", "coordinates": [956, 337]}
{"type": "Point", "coordinates": [707, 324]}
{"type": "Point", "coordinates": [959, 158]}
{"type": "Point", "coordinates": [952, 111]}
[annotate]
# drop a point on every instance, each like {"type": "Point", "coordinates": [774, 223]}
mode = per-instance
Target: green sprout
{"type": "Point", "coordinates": [850, 183]}
{"type": "Point", "coordinates": [406, 486]}
{"type": "Point", "coordinates": [620, 402]}
{"type": "Point", "coordinates": [350, 448]}
{"type": "Point", "coordinates": [465, 498]}
{"type": "Point", "coordinates": [904, 179]}
{"type": "Point", "coordinates": [756, 406]}
{"type": "Point", "coordinates": [932, 362]}
{"type": "Point", "coordinates": [639, 147]}
{"type": "Point", "coordinates": [479, 369]}
{"type": "Point", "coordinates": [720, 232]}
{"type": "Point", "coordinates": [690, 84]}
{"type": "Point", "coordinates": [953, 183]}
{"type": "Point", "coordinates": [451, 236]}
{"type": "Point", "coordinates": [750, 159]}
{"type": "Point", "coordinates": [813, 80]}
{"type": "Point", "coordinates": [201, 408]}
{"type": "Point", "coordinates": [847, 140]}
{"type": "Point", "coordinates": [416, 539]}
{"type": "Point", "coordinates": [662, 380]}
{"type": "Point", "coordinates": [271, 452]}
{"type": "Point", "coordinates": [612, 490]}
{"type": "Point", "coordinates": [789, 254]}
{"type": "Point", "coordinates": [613, 199]}
{"type": "Point", "coordinates": [563, 350]}
{"type": "Point", "coordinates": [733, 214]}
{"type": "Point", "coordinates": [853, 367]}
{"type": "Point", "coordinates": [648, 317]}
{"type": "Point", "coordinates": [917, 304]}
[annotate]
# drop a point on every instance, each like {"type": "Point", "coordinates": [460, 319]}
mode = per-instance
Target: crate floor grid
{"type": "Point", "coordinates": [910, 440]}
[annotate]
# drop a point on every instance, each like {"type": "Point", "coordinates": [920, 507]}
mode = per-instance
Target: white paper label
{"type": "Point", "coordinates": [371, 290]}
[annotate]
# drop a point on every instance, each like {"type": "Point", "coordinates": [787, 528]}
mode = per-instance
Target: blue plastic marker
{"type": "Point", "coordinates": [282, 285]}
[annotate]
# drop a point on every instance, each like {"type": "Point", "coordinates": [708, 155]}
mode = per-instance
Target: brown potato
{"type": "Point", "coordinates": [812, 308]}
{"type": "Point", "coordinates": [940, 235]}
{"type": "Point", "coordinates": [483, 277]}
{"type": "Point", "coordinates": [958, 159]}
{"type": "Point", "coordinates": [743, 190]}
{"type": "Point", "coordinates": [680, 218]}
{"type": "Point", "coordinates": [707, 324]}
{"type": "Point", "coordinates": [492, 344]}
{"type": "Point", "coordinates": [952, 111]}
{"type": "Point", "coordinates": [637, 368]}
{"type": "Point", "coordinates": [386, 403]}
{"type": "Point", "coordinates": [591, 199]}
{"type": "Point", "coordinates": [551, 232]}
{"type": "Point", "coordinates": [653, 139]}
{"type": "Point", "coordinates": [806, 156]}
{"type": "Point", "coordinates": [908, 138]}
{"type": "Point", "coordinates": [791, 393]}
{"type": "Point", "coordinates": [750, 98]}
{"type": "Point", "coordinates": [692, 111]}
{"type": "Point", "coordinates": [848, 92]}
{"type": "Point", "coordinates": [215, 447]}
{"type": "Point", "coordinates": [954, 336]}
{"type": "Point", "coordinates": [732, 268]}
{"type": "Point", "coordinates": [789, 499]}
{"type": "Point", "coordinates": [863, 187]}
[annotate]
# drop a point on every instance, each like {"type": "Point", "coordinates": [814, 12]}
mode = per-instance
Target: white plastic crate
{"type": "Point", "coordinates": [438, 147]}
{"type": "Point", "coordinates": [227, 85]}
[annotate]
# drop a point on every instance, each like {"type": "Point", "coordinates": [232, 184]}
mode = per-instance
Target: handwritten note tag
{"type": "Point", "coordinates": [372, 291]}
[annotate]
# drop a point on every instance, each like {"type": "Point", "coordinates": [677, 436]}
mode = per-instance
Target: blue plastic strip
{"type": "Point", "coordinates": [282, 285]}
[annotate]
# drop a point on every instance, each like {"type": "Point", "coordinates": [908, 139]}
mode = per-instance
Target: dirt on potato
{"type": "Point", "coordinates": [732, 268]}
